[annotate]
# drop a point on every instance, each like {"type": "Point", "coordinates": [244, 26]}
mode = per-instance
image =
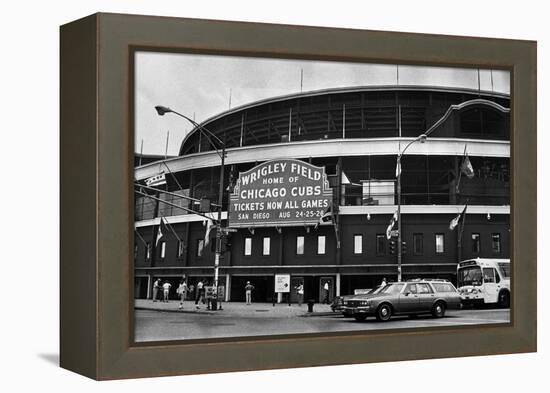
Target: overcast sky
{"type": "Point", "coordinates": [201, 86]}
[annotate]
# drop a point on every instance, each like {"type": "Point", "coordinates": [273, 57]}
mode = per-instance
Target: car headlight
{"type": "Point", "coordinates": [365, 303]}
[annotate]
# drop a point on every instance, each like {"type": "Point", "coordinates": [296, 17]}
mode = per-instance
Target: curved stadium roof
{"type": "Point", "coordinates": [364, 111]}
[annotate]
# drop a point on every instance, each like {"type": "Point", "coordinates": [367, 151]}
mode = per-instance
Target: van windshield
{"type": "Point", "coordinates": [505, 269]}
{"type": "Point", "coordinates": [470, 275]}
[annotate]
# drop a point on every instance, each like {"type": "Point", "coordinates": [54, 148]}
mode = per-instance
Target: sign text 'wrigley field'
{"type": "Point", "coordinates": [282, 192]}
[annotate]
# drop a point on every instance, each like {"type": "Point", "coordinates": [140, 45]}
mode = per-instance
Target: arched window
{"type": "Point", "coordinates": [483, 121]}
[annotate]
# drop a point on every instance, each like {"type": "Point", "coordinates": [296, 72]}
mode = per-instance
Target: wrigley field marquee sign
{"type": "Point", "coordinates": [280, 193]}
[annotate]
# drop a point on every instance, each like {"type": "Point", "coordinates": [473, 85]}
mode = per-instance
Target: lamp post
{"type": "Point", "coordinates": [422, 139]}
{"type": "Point", "coordinates": [161, 110]}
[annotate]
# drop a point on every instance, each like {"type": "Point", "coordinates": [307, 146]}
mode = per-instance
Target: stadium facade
{"type": "Point", "coordinates": [355, 135]}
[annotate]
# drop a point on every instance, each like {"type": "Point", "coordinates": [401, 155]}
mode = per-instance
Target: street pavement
{"type": "Point", "coordinates": [164, 321]}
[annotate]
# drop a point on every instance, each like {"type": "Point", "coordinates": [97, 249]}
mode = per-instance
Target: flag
{"type": "Point", "coordinates": [454, 222]}
{"type": "Point", "coordinates": [325, 217]}
{"type": "Point", "coordinates": [209, 225]}
{"type": "Point", "coordinates": [345, 179]}
{"type": "Point", "coordinates": [161, 231]}
{"type": "Point", "coordinates": [398, 168]}
{"type": "Point", "coordinates": [467, 167]}
{"type": "Point", "coordinates": [390, 227]}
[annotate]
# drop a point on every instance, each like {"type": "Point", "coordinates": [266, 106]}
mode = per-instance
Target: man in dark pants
{"type": "Point", "coordinates": [156, 289]}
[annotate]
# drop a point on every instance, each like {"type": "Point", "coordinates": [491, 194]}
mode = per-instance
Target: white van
{"type": "Point", "coordinates": [484, 281]}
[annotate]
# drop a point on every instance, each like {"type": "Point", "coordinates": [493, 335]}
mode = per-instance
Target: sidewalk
{"type": "Point", "coordinates": [281, 310]}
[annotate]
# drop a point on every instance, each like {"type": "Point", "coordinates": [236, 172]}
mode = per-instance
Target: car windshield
{"type": "Point", "coordinates": [470, 275]}
{"type": "Point", "coordinates": [373, 290]}
{"type": "Point", "coordinates": [392, 288]}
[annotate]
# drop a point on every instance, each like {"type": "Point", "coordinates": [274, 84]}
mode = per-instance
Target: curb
{"type": "Point", "coordinates": [178, 311]}
{"type": "Point", "coordinates": [320, 314]}
{"type": "Point", "coordinates": [210, 312]}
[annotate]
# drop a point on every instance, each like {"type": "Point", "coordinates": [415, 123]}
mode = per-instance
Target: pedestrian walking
{"type": "Point", "coordinates": [199, 293]}
{"type": "Point", "coordinates": [182, 292]}
{"type": "Point", "coordinates": [248, 292]}
{"type": "Point", "coordinates": [300, 292]}
{"type": "Point", "coordinates": [326, 289]}
{"type": "Point", "coordinates": [156, 289]}
{"type": "Point", "coordinates": [166, 289]}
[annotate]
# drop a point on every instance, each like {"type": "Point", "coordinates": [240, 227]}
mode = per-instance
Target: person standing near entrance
{"type": "Point", "coordinates": [300, 292]}
{"type": "Point", "coordinates": [156, 288]}
{"type": "Point", "coordinates": [166, 289]}
{"type": "Point", "coordinates": [248, 292]}
{"type": "Point", "coordinates": [383, 283]}
{"type": "Point", "coordinates": [326, 289]}
{"type": "Point", "coordinates": [198, 295]}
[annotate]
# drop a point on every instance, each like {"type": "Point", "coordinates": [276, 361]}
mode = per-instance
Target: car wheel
{"type": "Point", "coordinates": [504, 299]}
{"type": "Point", "coordinates": [438, 310]}
{"type": "Point", "coordinates": [384, 313]}
{"type": "Point", "coordinates": [360, 317]}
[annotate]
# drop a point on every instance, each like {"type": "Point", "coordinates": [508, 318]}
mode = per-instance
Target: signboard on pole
{"type": "Point", "coordinates": [282, 283]}
{"type": "Point", "coordinates": [280, 193]}
{"type": "Point", "coordinates": [210, 293]}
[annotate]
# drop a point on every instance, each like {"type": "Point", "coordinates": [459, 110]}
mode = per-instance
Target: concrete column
{"type": "Point", "coordinates": [337, 284]}
{"type": "Point", "coordinates": [227, 287]}
{"type": "Point", "coordinates": [149, 288]}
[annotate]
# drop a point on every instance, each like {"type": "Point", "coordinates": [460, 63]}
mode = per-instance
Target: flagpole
{"type": "Point", "coordinates": [399, 236]}
{"type": "Point", "coordinates": [171, 228]}
{"type": "Point", "coordinates": [460, 169]}
{"type": "Point", "coordinates": [140, 237]}
{"type": "Point", "coordinates": [460, 233]}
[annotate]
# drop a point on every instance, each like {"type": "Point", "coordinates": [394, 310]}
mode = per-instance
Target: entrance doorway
{"type": "Point", "coordinates": [294, 283]}
{"type": "Point", "coordinates": [140, 287]}
{"type": "Point", "coordinates": [326, 289]}
{"type": "Point", "coordinates": [263, 288]}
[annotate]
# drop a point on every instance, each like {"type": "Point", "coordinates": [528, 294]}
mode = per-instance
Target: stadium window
{"type": "Point", "coordinates": [418, 243]}
{"type": "Point", "coordinates": [299, 245]}
{"type": "Point", "coordinates": [495, 241]}
{"type": "Point", "coordinates": [439, 243]}
{"type": "Point", "coordinates": [180, 249]}
{"type": "Point", "coordinates": [380, 244]}
{"type": "Point", "coordinates": [321, 244]}
{"type": "Point", "coordinates": [267, 246]}
{"type": "Point", "coordinates": [200, 247]}
{"type": "Point", "coordinates": [148, 252]}
{"type": "Point", "coordinates": [357, 244]}
{"type": "Point", "coordinates": [476, 243]}
{"type": "Point", "coordinates": [247, 246]}
{"type": "Point", "coordinates": [162, 249]}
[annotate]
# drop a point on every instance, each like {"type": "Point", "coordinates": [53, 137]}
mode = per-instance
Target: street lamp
{"type": "Point", "coordinates": [422, 139]}
{"type": "Point", "coordinates": [162, 110]}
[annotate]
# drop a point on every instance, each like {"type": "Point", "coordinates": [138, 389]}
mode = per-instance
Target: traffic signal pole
{"type": "Point", "coordinates": [162, 110]}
